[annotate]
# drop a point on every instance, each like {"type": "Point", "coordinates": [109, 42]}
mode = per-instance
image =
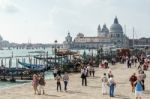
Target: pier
{"type": "Point", "coordinates": [23, 67]}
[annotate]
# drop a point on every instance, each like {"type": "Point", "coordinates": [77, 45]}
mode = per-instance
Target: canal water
{"type": "Point", "coordinates": [24, 52]}
{"type": "Point", "coordinates": [20, 52]}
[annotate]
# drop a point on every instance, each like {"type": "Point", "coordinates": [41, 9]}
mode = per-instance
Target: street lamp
{"type": "Point", "coordinates": [55, 50]}
{"type": "Point", "coordinates": [111, 53]}
{"type": "Point", "coordinates": [101, 51]}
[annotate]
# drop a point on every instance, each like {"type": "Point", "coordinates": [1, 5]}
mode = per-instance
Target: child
{"type": "Point", "coordinates": [41, 84]}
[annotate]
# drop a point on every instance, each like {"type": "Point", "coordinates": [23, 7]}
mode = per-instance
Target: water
{"type": "Point", "coordinates": [9, 84]}
{"type": "Point", "coordinates": [48, 75]}
{"type": "Point", "coordinates": [24, 52]}
{"type": "Point", "coordinates": [20, 52]}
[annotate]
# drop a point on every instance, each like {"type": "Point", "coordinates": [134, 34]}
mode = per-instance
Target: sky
{"type": "Point", "coordinates": [44, 21]}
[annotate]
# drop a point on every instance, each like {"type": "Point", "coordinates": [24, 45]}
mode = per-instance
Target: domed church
{"type": "Point", "coordinates": [108, 37]}
{"type": "Point", "coordinates": [116, 33]}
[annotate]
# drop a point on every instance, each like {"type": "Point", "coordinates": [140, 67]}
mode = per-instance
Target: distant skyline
{"type": "Point", "coordinates": [43, 21]}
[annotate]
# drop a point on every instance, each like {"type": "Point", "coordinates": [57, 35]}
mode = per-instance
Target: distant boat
{"type": "Point", "coordinates": [31, 66]}
{"type": "Point", "coordinates": [37, 52]}
{"type": "Point", "coordinates": [45, 58]}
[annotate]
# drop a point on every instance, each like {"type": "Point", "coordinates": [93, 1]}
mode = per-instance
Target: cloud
{"type": "Point", "coordinates": [8, 6]}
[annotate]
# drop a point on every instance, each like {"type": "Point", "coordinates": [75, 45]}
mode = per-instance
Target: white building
{"type": "Point", "coordinates": [108, 37]}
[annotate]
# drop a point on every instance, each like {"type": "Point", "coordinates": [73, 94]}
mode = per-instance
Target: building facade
{"type": "Point", "coordinates": [113, 37]}
{"type": "Point", "coordinates": [139, 43]}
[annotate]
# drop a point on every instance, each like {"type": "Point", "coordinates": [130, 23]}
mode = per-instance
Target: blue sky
{"type": "Point", "coordinates": [43, 21]}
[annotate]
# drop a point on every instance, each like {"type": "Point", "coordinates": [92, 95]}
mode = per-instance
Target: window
{"type": "Point", "coordinates": [117, 35]}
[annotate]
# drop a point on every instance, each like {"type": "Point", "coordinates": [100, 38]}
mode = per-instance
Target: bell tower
{"type": "Point", "coordinates": [99, 30]}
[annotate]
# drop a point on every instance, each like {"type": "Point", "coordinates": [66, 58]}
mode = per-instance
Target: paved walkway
{"type": "Point", "coordinates": [76, 91]}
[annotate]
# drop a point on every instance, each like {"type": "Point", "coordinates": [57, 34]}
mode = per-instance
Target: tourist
{"type": "Point", "coordinates": [58, 79]}
{"type": "Point", "coordinates": [41, 85]}
{"type": "Point", "coordinates": [112, 85]}
{"type": "Point", "coordinates": [129, 63]}
{"type": "Point", "coordinates": [35, 83]}
{"type": "Point", "coordinates": [138, 88]}
{"type": "Point", "coordinates": [65, 79]}
{"type": "Point", "coordinates": [135, 60]}
{"type": "Point", "coordinates": [55, 72]}
{"type": "Point", "coordinates": [84, 76]}
{"type": "Point", "coordinates": [109, 73]}
{"type": "Point", "coordinates": [140, 70]}
{"type": "Point", "coordinates": [105, 64]}
{"type": "Point", "coordinates": [59, 71]}
{"type": "Point", "coordinates": [145, 66]}
{"type": "Point", "coordinates": [143, 77]}
{"type": "Point", "coordinates": [104, 84]}
{"type": "Point", "coordinates": [102, 64]}
{"type": "Point", "coordinates": [132, 80]}
{"type": "Point", "coordinates": [113, 61]}
{"type": "Point", "coordinates": [93, 71]}
{"type": "Point", "coordinates": [90, 70]}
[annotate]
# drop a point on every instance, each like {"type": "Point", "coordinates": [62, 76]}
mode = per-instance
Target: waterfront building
{"type": "Point", "coordinates": [139, 43]}
{"type": "Point", "coordinates": [113, 37]}
{"type": "Point", "coordinates": [3, 43]}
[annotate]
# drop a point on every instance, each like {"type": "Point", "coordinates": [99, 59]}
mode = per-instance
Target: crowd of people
{"type": "Point", "coordinates": [138, 83]}
{"type": "Point", "coordinates": [137, 80]}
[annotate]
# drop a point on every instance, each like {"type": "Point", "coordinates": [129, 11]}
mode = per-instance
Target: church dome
{"type": "Point", "coordinates": [105, 29]}
{"type": "Point", "coordinates": [116, 27]}
{"type": "Point", "coordinates": [80, 35]}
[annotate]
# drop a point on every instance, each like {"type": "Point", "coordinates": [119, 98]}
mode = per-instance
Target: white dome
{"type": "Point", "coordinates": [80, 35]}
{"type": "Point", "coordinates": [105, 29]}
{"type": "Point", "coordinates": [116, 27]}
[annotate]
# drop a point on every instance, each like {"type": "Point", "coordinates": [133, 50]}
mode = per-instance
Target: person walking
{"type": "Point", "coordinates": [110, 73]}
{"type": "Point", "coordinates": [41, 85]}
{"type": "Point", "coordinates": [59, 71]}
{"type": "Point", "coordinates": [112, 85]}
{"type": "Point", "coordinates": [58, 79]}
{"type": "Point", "coordinates": [55, 72]}
{"type": "Point", "coordinates": [84, 76]}
{"type": "Point", "coordinates": [104, 84]}
{"type": "Point", "coordinates": [35, 83]}
{"type": "Point", "coordinates": [90, 70]}
{"type": "Point", "coordinates": [129, 63]}
{"type": "Point", "coordinates": [132, 80]}
{"type": "Point", "coordinates": [143, 77]}
{"type": "Point", "coordinates": [138, 88]}
{"type": "Point", "coordinates": [93, 71]}
{"type": "Point", "coordinates": [65, 79]}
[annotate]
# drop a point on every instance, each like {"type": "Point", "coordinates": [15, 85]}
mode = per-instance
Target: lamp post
{"type": "Point", "coordinates": [98, 55]}
{"type": "Point", "coordinates": [101, 51]}
{"type": "Point", "coordinates": [55, 50]}
{"type": "Point", "coordinates": [111, 53]}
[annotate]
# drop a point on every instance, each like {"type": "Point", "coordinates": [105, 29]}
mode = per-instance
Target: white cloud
{"type": "Point", "coordinates": [8, 6]}
{"type": "Point", "coordinates": [51, 19]}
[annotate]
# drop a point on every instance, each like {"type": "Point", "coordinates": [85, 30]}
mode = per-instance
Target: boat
{"type": "Point", "coordinates": [31, 66]}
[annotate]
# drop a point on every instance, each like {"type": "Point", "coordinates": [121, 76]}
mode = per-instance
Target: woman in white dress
{"type": "Point", "coordinates": [104, 84]}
